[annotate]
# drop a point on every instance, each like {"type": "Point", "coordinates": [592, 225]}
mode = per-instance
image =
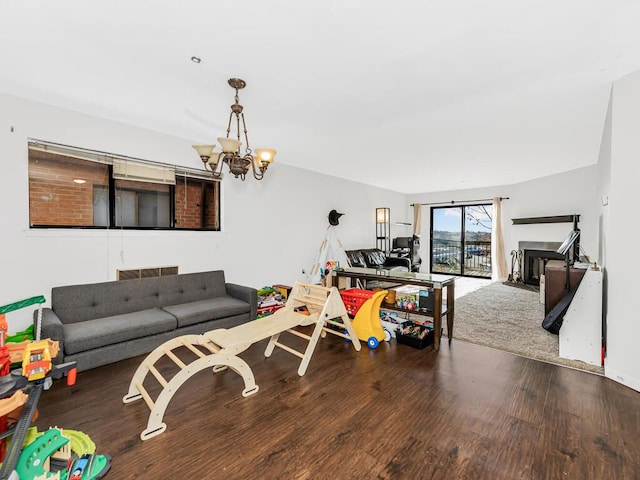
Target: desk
{"type": "Point", "coordinates": [436, 281]}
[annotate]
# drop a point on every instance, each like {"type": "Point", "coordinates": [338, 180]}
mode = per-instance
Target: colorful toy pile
{"type": "Point", "coordinates": [26, 370]}
{"type": "Point", "coordinates": [271, 299]}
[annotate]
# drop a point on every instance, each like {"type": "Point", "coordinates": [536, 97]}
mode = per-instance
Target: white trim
{"type": "Point", "coordinates": [620, 377]}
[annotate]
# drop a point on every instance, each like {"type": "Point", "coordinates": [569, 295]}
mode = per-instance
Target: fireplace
{"type": "Point", "coordinates": [535, 257]}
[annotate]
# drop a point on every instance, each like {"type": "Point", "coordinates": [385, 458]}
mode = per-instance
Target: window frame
{"type": "Point", "coordinates": [203, 177]}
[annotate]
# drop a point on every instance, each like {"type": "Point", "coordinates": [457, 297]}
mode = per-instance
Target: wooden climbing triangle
{"type": "Point", "coordinates": [218, 349]}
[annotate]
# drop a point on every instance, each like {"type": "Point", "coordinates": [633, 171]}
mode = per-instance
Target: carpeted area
{"type": "Point", "coordinates": [510, 319]}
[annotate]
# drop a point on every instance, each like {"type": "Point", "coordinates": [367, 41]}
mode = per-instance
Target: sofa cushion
{"type": "Point", "coordinates": [356, 259]}
{"type": "Point", "coordinates": [208, 309]}
{"type": "Point", "coordinates": [373, 257]}
{"type": "Point", "coordinates": [79, 303]}
{"type": "Point", "coordinates": [190, 287]}
{"type": "Point", "coordinates": [90, 334]}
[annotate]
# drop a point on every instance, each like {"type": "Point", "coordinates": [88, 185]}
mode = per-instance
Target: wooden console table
{"type": "Point", "coordinates": [438, 282]}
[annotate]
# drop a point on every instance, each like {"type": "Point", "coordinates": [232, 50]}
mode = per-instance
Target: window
{"type": "Point", "coordinates": [197, 203]}
{"type": "Point", "coordinates": [142, 205]}
{"type": "Point", "coordinates": [78, 188]}
{"type": "Point", "coordinates": [461, 240]}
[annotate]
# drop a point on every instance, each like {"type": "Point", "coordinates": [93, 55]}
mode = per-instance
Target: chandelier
{"type": "Point", "coordinates": [238, 164]}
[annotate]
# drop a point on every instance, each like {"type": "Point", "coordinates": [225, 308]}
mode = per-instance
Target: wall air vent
{"type": "Point", "coordinates": [146, 272]}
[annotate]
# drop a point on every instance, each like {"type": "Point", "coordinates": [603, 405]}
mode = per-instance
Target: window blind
{"type": "Point", "coordinates": [128, 168]}
{"type": "Point", "coordinates": [142, 172]}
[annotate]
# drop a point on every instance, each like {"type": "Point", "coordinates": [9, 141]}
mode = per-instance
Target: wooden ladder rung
{"type": "Point", "coordinates": [289, 349]}
{"type": "Point", "coordinates": [199, 353]}
{"type": "Point", "coordinates": [173, 357]}
{"type": "Point", "coordinates": [316, 288]}
{"type": "Point", "coordinates": [299, 334]}
{"type": "Point", "coordinates": [310, 300]}
{"type": "Point", "coordinates": [145, 396]}
{"type": "Point", "coordinates": [322, 297]}
{"type": "Point", "coordinates": [212, 347]}
{"type": "Point", "coordinates": [157, 374]}
{"type": "Point", "coordinates": [335, 332]}
{"type": "Point", "coordinates": [335, 324]}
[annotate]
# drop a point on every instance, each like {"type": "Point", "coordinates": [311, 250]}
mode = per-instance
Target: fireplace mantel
{"type": "Point", "coordinates": [554, 219]}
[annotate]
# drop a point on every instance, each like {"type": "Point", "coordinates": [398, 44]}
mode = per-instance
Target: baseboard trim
{"type": "Point", "coordinates": [622, 378]}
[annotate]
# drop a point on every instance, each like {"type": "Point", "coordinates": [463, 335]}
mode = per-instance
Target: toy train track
{"type": "Point", "coordinates": [32, 461]}
{"type": "Point", "coordinates": [20, 431]}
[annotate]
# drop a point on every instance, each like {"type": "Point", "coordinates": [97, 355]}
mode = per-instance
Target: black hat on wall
{"type": "Point", "coordinates": [334, 216]}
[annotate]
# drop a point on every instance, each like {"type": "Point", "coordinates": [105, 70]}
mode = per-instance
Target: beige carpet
{"type": "Point", "coordinates": [509, 318]}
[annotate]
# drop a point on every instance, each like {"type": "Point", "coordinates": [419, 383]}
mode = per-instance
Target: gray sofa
{"type": "Point", "coordinates": [102, 323]}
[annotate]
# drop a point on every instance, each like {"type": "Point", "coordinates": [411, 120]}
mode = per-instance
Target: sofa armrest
{"type": "Point", "coordinates": [247, 294]}
{"type": "Point", "coordinates": [51, 328]}
{"type": "Point", "coordinates": [398, 262]}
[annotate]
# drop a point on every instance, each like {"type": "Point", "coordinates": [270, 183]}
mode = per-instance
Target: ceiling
{"type": "Point", "coordinates": [412, 96]}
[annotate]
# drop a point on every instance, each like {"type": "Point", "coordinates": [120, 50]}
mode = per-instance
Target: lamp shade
{"type": "Point", "coordinates": [229, 145]}
{"type": "Point", "coordinates": [265, 156]}
{"type": "Point", "coordinates": [382, 215]}
{"type": "Point", "coordinates": [204, 150]}
{"type": "Point", "coordinates": [213, 161]}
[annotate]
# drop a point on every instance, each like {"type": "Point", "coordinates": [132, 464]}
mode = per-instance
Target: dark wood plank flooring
{"type": "Point", "coordinates": [467, 412]}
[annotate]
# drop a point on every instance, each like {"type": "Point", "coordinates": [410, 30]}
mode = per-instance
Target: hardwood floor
{"type": "Point", "coordinates": [467, 412]}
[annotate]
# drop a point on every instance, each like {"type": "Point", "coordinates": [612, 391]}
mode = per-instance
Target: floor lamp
{"type": "Point", "coordinates": [383, 229]}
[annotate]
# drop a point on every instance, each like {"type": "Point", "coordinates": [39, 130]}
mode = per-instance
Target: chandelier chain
{"type": "Point", "coordinates": [229, 125]}
{"type": "Point", "coordinates": [246, 134]}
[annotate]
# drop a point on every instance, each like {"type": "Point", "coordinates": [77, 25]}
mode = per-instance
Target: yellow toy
{"type": "Point", "coordinates": [367, 321]}
{"type": "Point", "coordinates": [36, 360]}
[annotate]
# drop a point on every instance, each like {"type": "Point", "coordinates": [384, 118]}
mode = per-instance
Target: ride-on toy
{"type": "Point", "coordinates": [365, 306]}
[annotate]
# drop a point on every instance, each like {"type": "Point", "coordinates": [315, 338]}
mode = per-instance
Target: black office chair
{"type": "Point", "coordinates": [408, 247]}
{"type": "Point", "coordinates": [401, 246]}
{"type": "Point", "coordinates": [414, 255]}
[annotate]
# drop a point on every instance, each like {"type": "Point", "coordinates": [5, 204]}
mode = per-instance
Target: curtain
{"type": "Point", "coordinates": [417, 217]}
{"type": "Point", "coordinates": [500, 272]}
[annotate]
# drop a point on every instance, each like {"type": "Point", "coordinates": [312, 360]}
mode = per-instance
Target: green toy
{"type": "Point", "coordinates": [26, 334]}
{"type": "Point", "coordinates": [33, 458]}
{"type": "Point", "coordinates": [81, 443]}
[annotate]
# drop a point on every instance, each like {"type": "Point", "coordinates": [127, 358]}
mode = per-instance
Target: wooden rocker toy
{"type": "Point", "coordinates": [218, 349]}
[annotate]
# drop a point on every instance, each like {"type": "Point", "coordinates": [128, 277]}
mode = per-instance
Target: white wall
{"type": "Point", "coordinates": [620, 234]}
{"type": "Point", "coordinates": [271, 229]}
{"type": "Point", "coordinates": [604, 183]}
{"type": "Point", "coordinates": [562, 194]}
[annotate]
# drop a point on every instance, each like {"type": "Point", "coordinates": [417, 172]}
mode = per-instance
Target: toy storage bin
{"type": "Point", "coordinates": [415, 335]}
{"type": "Point", "coordinates": [354, 298]}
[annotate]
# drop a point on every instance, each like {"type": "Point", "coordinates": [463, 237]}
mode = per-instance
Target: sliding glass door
{"type": "Point", "coordinates": [461, 240]}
